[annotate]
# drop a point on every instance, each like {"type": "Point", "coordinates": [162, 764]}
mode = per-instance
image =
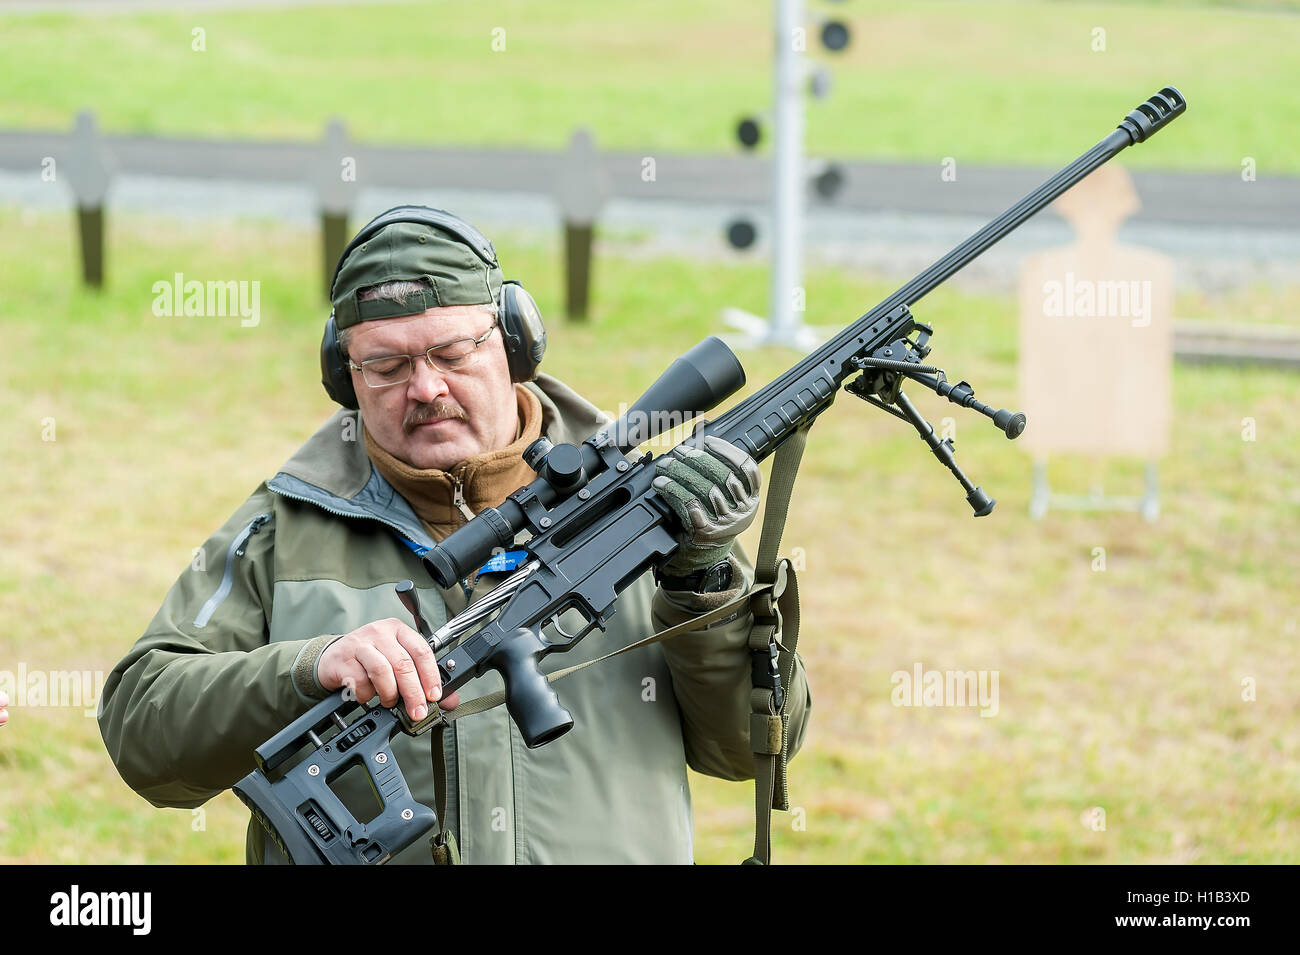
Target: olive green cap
{"type": "Point", "coordinates": [408, 251]}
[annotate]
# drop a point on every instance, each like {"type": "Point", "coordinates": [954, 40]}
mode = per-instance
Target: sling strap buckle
{"type": "Point", "coordinates": [766, 670]}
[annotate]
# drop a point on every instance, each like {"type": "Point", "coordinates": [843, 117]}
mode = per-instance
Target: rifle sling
{"type": "Point", "coordinates": [776, 626]}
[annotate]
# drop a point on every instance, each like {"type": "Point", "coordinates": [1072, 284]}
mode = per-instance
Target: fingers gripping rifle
{"type": "Point", "coordinates": [597, 525]}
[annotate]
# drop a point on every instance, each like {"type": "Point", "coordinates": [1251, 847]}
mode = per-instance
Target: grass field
{"type": "Point", "coordinates": [980, 82]}
{"type": "Point", "coordinates": [1119, 689]}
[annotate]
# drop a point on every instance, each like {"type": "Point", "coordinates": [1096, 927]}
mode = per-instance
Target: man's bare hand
{"type": "Point", "coordinates": [389, 659]}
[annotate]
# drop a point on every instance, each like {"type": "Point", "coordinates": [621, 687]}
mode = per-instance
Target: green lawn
{"type": "Point", "coordinates": [1119, 689]}
{"type": "Point", "coordinates": [980, 82]}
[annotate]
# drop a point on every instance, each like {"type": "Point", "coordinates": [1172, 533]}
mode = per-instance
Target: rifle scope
{"type": "Point", "coordinates": [696, 382]}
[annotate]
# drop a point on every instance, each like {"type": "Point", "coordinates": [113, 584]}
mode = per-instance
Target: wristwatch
{"type": "Point", "coordinates": [710, 580]}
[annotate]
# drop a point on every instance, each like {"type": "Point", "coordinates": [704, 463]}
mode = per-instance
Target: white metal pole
{"type": "Point", "coordinates": [787, 172]}
{"type": "Point", "coordinates": [784, 325]}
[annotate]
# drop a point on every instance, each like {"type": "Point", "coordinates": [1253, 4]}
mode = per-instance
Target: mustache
{"type": "Point", "coordinates": [437, 411]}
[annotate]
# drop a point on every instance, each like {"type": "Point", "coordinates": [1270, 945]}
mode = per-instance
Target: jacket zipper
{"type": "Point", "coordinates": [236, 549]}
{"type": "Point", "coordinates": [458, 498]}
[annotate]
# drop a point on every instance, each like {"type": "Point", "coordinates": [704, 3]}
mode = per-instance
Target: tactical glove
{"type": "Point", "coordinates": [714, 493]}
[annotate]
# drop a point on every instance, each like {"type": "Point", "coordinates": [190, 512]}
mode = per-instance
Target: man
{"type": "Point", "coordinates": [295, 599]}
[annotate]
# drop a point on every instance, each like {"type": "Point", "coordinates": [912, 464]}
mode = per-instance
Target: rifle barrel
{"type": "Point", "coordinates": [1139, 125]}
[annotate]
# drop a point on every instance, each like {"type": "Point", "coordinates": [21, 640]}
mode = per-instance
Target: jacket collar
{"type": "Point", "coordinates": [444, 499]}
{"type": "Point", "coordinates": [333, 471]}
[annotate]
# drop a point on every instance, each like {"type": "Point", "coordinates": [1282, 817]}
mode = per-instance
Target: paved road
{"type": "Point", "coordinates": [877, 242]}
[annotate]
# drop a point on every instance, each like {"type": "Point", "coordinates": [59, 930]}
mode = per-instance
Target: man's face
{"type": "Point", "coordinates": [436, 419]}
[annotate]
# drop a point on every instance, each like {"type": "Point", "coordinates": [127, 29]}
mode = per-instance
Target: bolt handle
{"type": "Point", "coordinates": [406, 593]}
{"type": "Point", "coordinates": [410, 599]}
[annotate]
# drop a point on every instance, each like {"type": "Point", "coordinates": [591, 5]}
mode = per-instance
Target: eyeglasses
{"type": "Point", "coordinates": [395, 369]}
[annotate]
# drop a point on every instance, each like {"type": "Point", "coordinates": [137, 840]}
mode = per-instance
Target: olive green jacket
{"type": "Point", "coordinates": [316, 550]}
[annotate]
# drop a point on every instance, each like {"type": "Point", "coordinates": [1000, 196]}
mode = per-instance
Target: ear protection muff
{"type": "Point", "coordinates": [522, 329]}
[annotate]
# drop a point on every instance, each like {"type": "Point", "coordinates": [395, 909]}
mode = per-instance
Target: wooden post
{"type": "Point", "coordinates": [334, 233]}
{"type": "Point", "coordinates": [580, 191]}
{"type": "Point", "coordinates": [90, 227]}
{"type": "Point", "coordinates": [577, 269]}
{"type": "Point", "coordinates": [334, 175]}
{"type": "Point", "coordinates": [88, 174]}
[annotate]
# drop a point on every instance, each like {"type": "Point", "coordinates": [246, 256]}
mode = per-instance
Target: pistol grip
{"type": "Point", "coordinates": [530, 698]}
